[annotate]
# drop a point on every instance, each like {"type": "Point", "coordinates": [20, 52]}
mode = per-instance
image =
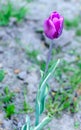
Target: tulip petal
{"type": "Point", "coordinates": [49, 28]}
{"type": "Point", "coordinates": [56, 23]}
{"type": "Point", "coordinates": [53, 26]}
{"type": "Point", "coordinates": [54, 15]}
{"type": "Point", "coordinates": [61, 25]}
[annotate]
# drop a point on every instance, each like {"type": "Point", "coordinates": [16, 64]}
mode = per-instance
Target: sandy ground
{"type": "Point", "coordinates": [14, 39]}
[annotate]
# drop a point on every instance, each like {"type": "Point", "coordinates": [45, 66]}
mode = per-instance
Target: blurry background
{"type": "Point", "coordinates": [23, 52]}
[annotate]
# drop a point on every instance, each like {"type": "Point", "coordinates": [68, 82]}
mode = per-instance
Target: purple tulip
{"type": "Point", "coordinates": [53, 26]}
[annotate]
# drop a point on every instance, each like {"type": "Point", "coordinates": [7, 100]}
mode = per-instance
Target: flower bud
{"type": "Point", "coordinates": [53, 26]}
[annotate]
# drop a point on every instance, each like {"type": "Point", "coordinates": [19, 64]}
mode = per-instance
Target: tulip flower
{"type": "Point", "coordinates": [53, 25]}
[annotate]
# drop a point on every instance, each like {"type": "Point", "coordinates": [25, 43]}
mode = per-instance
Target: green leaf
{"type": "Point", "coordinates": [24, 127]}
{"type": "Point", "coordinates": [10, 110]}
{"type": "Point", "coordinates": [43, 91]}
{"type": "Point", "coordinates": [27, 125]}
{"type": "Point", "coordinates": [43, 86]}
{"type": "Point", "coordinates": [28, 122]}
{"type": "Point", "coordinates": [44, 122]}
{"type": "Point", "coordinates": [6, 90]}
{"type": "Point", "coordinates": [2, 75]}
{"type": "Point", "coordinates": [77, 124]}
{"type": "Point", "coordinates": [48, 74]}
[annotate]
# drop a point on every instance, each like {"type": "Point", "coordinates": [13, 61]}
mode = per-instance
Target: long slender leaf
{"type": "Point", "coordinates": [45, 121]}
{"type": "Point", "coordinates": [27, 125]}
{"type": "Point", "coordinates": [42, 92]}
{"type": "Point", "coordinates": [43, 87]}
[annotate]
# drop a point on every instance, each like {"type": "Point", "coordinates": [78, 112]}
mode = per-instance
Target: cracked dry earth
{"type": "Point", "coordinates": [21, 72]}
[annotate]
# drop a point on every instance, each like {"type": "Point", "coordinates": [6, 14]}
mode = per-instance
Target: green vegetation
{"type": "Point", "coordinates": [69, 80]}
{"type": "Point", "coordinates": [32, 55]}
{"type": "Point", "coordinates": [78, 32]}
{"type": "Point", "coordinates": [56, 50]}
{"type": "Point", "coordinates": [60, 101]}
{"type": "Point", "coordinates": [40, 101]}
{"type": "Point", "coordinates": [76, 125]}
{"type": "Point", "coordinates": [26, 107]}
{"type": "Point", "coordinates": [69, 83]}
{"type": "Point", "coordinates": [10, 110]}
{"type": "Point", "coordinates": [72, 23]}
{"type": "Point", "coordinates": [8, 96]}
{"type": "Point", "coordinates": [8, 10]}
{"type": "Point", "coordinates": [2, 75]}
{"type": "Point", "coordinates": [6, 102]}
{"type": "Point", "coordinates": [67, 97]}
{"type": "Point", "coordinates": [28, 0]}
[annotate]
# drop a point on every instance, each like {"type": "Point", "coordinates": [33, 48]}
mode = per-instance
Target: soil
{"type": "Point", "coordinates": [21, 72]}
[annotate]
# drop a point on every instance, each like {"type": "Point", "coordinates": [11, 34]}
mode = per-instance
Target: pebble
{"type": "Point", "coordinates": [2, 34]}
{"type": "Point", "coordinates": [1, 118]}
{"type": "Point", "coordinates": [1, 65]}
{"type": "Point", "coordinates": [1, 50]}
{"type": "Point", "coordinates": [16, 71]}
{"type": "Point", "coordinates": [22, 75]}
{"type": "Point", "coordinates": [16, 90]}
{"type": "Point", "coordinates": [13, 21]}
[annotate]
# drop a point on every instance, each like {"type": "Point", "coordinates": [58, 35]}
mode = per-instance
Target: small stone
{"type": "Point", "coordinates": [2, 34]}
{"type": "Point", "coordinates": [19, 125]}
{"type": "Point", "coordinates": [1, 118]}
{"type": "Point", "coordinates": [16, 71]}
{"type": "Point", "coordinates": [40, 58]}
{"type": "Point", "coordinates": [13, 21]}
{"type": "Point", "coordinates": [15, 122]}
{"type": "Point", "coordinates": [22, 75]}
{"type": "Point", "coordinates": [1, 65]}
{"type": "Point", "coordinates": [16, 90]}
{"type": "Point", "coordinates": [1, 50]}
{"type": "Point", "coordinates": [39, 30]}
{"type": "Point", "coordinates": [1, 122]}
{"type": "Point", "coordinates": [79, 92]}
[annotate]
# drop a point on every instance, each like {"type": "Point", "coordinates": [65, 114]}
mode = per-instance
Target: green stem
{"type": "Point", "coordinates": [46, 70]}
{"type": "Point", "coordinates": [49, 57]}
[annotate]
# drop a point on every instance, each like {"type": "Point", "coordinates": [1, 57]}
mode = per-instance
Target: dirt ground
{"type": "Point", "coordinates": [21, 72]}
